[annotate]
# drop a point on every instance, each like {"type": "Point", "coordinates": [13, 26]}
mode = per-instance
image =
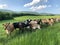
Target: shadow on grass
{"type": "Point", "coordinates": [17, 33]}
{"type": "Point", "coordinates": [5, 39]}
{"type": "Point", "coordinates": [43, 26]}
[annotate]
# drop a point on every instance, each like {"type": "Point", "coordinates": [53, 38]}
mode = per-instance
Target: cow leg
{"type": "Point", "coordinates": [30, 29]}
{"type": "Point", "coordinates": [34, 27]}
{"type": "Point", "coordinates": [8, 34]}
{"type": "Point", "coordinates": [22, 30]}
{"type": "Point", "coordinates": [38, 27]}
{"type": "Point", "coordinates": [50, 24]}
{"type": "Point", "coordinates": [19, 30]}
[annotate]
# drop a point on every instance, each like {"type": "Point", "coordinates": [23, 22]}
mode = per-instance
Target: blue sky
{"type": "Point", "coordinates": [41, 6]}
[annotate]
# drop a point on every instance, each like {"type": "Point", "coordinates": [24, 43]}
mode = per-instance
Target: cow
{"type": "Point", "coordinates": [34, 24]}
{"type": "Point", "coordinates": [43, 21]}
{"type": "Point", "coordinates": [10, 27]}
{"type": "Point", "coordinates": [49, 21]}
{"type": "Point", "coordinates": [57, 19]}
{"type": "Point", "coordinates": [38, 21]}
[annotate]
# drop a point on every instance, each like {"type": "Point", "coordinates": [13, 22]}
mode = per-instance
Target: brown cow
{"type": "Point", "coordinates": [57, 19]}
{"type": "Point", "coordinates": [47, 21]}
{"type": "Point", "coordinates": [9, 28]}
{"type": "Point", "coordinates": [51, 21]}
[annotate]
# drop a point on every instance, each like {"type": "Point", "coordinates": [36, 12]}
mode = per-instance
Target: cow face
{"type": "Point", "coordinates": [6, 25]}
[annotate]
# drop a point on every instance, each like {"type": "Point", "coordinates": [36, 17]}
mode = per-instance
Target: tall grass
{"type": "Point", "coordinates": [46, 36]}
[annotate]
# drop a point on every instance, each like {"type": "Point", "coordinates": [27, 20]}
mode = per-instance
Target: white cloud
{"type": "Point", "coordinates": [34, 6]}
{"type": "Point", "coordinates": [32, 3]}
{"type": "Point", "coordinates": [40, 7]}
{"type": "Point", "coordinates": [2, 6]}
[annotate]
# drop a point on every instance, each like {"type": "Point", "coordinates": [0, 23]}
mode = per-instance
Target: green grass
{"type": "Point", "coordinates": [46, 36]}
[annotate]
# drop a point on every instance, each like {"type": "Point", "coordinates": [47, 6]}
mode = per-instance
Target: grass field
{"type": "Point", "coordinates": [46, 36]}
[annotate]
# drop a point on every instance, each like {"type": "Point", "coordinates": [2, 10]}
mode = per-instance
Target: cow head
{"type": "Point", "coordinates": [6, 25]}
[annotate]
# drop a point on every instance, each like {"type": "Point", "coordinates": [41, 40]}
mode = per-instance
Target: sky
{"type": "Point", "coordinates": [41, 6]}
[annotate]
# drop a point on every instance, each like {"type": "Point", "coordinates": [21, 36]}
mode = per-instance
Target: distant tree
{"type": "Point", "coordinates": [5, 16]}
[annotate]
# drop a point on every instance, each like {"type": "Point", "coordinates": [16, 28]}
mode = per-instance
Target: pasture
{"type": "Point", "coordinates": [46, 36]}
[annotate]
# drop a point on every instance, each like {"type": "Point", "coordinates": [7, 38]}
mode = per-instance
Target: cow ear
{"type": "Point", "coordinates": [9, 22]}
{"type": "Point", "coordinates": [3, 24]}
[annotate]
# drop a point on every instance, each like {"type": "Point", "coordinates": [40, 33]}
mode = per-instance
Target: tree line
{"type": "Point", "coordinates": [11, 15]}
